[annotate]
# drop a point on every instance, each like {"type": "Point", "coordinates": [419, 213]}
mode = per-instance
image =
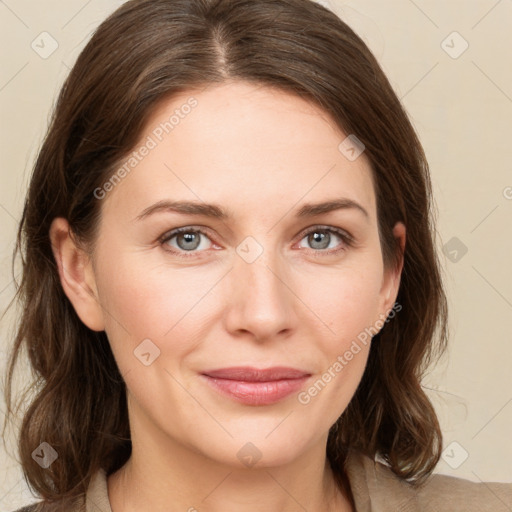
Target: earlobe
{"type": "Point", "coordinates": [76, 275]}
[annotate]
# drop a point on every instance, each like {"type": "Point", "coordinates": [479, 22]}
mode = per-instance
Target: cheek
{"type": "Point", "coordinates": [342, 352]}
{"type": "Point", "coordinates": [145, 301]}
{"type": "Point", "coordinates": [345, 301]}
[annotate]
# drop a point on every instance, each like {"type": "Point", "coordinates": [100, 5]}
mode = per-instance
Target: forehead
{"type": "Point", "coordinates": [247, 144]}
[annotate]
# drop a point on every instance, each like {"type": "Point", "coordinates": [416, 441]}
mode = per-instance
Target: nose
{"type": "Point", "coordinates": [261, 303]}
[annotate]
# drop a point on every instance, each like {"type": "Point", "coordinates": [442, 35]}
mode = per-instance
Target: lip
{"type": "Point", "coordinates": [254, 386]}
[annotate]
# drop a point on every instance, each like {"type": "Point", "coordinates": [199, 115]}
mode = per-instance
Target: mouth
{"type": "Point", "coordinates": [253, 386]}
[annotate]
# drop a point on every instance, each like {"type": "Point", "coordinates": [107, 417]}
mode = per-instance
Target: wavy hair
{"type": "Point", "coordinates": [141, 55]}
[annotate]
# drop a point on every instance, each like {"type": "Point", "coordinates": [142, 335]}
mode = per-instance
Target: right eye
{"type": "Point", "coordinates": [187, 240]}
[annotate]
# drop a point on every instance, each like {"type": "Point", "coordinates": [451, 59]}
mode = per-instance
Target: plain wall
{"type": "Point", "coordinates": [461, 104]}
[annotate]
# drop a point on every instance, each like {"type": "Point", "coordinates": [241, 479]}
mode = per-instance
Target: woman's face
{"type": "Point", "coordinates": [253, 288]}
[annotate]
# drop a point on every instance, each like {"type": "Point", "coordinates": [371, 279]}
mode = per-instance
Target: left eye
{"type": "Point", "coordinates": [188, 240]}
{"type": "Point", "coordinates": [321, 237]}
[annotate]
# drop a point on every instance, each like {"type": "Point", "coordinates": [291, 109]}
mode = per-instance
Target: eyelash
{"type": "Point", "coordinates": [347, 239]}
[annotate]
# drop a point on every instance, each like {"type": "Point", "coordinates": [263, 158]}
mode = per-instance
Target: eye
{"type": "Point", "coordinates": [320, 238]}
{"type": "Point", "coordinates": [188, 240]}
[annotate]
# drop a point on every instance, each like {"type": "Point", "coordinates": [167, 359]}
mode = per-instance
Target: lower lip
{"type": "Point", "coordinates": [256, 393]}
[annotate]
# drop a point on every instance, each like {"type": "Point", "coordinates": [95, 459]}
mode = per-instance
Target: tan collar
{"type": "Point", "coordinates": [375, 487]}
{"type": "Point", "coordinates": [96, 499]}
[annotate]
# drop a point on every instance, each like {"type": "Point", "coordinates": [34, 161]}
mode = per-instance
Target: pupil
{"type": "Point", "coordinates": [318, 237]}
{"type": "Point", "coordinates": [189, 239]}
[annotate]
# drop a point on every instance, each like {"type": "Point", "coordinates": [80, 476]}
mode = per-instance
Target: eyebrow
{"type": "Point", "coordinates": [217, 212]}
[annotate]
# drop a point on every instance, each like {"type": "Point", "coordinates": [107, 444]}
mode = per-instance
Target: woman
{"type": "Point", "coordinates": [230, 286]}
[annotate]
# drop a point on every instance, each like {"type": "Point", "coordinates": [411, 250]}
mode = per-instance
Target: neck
{"type": "Point", "coordinates": [257, 491]}
{"type": "Point", "coordinates": [164, 475]}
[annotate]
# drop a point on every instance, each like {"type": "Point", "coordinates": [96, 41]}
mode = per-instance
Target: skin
{"type": "Point", "coordinates": [261, 154]}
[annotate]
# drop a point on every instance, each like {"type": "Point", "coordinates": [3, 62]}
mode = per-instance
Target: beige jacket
{"type": "Point", "coordinates": [376, 489]}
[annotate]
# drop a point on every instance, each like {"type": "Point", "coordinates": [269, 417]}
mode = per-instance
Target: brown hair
{"type": "Point", "coordinates": [142, 54]}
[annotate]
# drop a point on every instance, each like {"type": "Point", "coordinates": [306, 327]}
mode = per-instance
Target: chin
{"type": "Point", "coordinates": [257, 451]}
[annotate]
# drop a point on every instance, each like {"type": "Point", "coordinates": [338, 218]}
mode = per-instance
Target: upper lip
{"type": "Point", "coordinates": [250, 374]}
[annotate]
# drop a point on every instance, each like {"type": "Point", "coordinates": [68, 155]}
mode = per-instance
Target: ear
{"type": "Point", "coordinates": [391, 280]}
{"type": "Point", "coordinates": [76, 275]}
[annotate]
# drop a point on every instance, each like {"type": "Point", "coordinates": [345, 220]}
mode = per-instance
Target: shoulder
{"type": "Point", "coordinates": [376, 487]}
{"type": "Point", "coordinates": [445, 492]}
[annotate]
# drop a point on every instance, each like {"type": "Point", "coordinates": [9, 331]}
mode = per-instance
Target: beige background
{"type": "Point", "coordinates": [461, 104]}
